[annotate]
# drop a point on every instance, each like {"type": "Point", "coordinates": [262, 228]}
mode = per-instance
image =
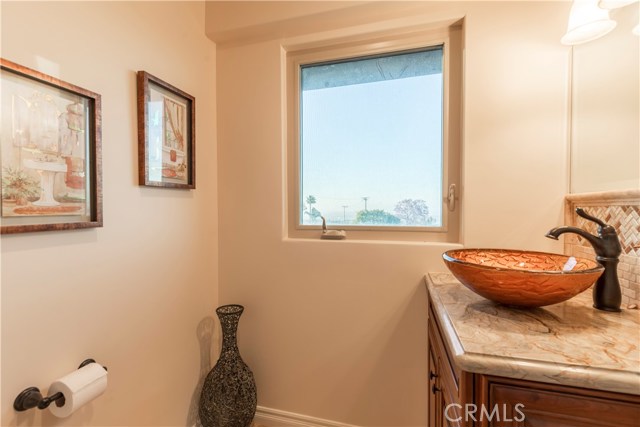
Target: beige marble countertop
{"type": "Point", "coordinates": [569, 343]}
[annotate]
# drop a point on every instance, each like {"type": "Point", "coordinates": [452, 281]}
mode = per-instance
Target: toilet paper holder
{"type": "Point", "coordinates": [31, 397]}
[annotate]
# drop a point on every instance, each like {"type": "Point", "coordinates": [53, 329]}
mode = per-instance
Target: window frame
{"type": "Point", "coordinates": [294, 57]}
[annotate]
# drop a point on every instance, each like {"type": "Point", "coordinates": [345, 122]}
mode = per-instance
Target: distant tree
{"type": "Point", "coordinates": [311, 200]}
{"type": "Point", "coordinates": [413, 212]}
{"type": "Point", "coordinates": [313, 213]}
{"type": "Point", "coordinates": [376, 216]}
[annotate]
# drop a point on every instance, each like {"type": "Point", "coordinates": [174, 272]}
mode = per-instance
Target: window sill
{"type": "Point", "coordinates": [387, 242]}
{"type": "Point", "coordinates": [378, 236]}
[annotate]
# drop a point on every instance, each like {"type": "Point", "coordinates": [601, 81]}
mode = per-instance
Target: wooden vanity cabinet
{"type": "Point", "coordinates": [519, 403]}
{"type": "Point", "coordinates": [450, 389]}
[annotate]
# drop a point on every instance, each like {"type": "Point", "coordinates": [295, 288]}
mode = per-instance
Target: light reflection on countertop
{"type": "Point", "coordinates": [570, 343]}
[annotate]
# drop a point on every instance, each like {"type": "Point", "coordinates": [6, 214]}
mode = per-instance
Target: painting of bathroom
{"type": "Point", "coordinates": [167, 137]}
{"type": "Point", "coordinates": [44, 142]}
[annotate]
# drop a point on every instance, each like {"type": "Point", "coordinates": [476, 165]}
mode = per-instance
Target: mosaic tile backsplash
{"type": "Point", "coordinates": [623, 213]}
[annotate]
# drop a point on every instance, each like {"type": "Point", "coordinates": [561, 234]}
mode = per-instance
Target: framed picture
{"type": "Point", "coordinates": [166, 134]}
{"type": "Point", "coordinates": [50, 151]}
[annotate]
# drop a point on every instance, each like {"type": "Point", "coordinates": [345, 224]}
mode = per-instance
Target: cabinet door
{"type": "Point", "coordinates": [451, 416]}
{"type": "Point", "coordinates": [444, 409]}
{"type": "Point", "coordinates": [449, 388]}
{"type": "Point", "coordinates": [542, 405]}
{"type": "Point", "coordinates": [434, 406]}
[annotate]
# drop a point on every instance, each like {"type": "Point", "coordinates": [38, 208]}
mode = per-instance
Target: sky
{"type": "Point", "coordinates": [381, 140]}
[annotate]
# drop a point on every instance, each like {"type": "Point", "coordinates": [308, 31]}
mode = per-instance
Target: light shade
{"type": "Point", "coordinates": [636, 30]}
{"type": "Point", "coordinates": [614, 4]}
{"type": "Point", "coordinates": [587, 22]}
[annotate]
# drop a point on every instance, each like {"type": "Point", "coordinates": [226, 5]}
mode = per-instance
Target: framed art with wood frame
{"type": "Point", "coordinates": [50, 150]}
{"type": "Point", "coordinates": [166, 134]}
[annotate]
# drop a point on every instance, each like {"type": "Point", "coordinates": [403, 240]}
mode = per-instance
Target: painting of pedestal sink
{"type": "Point", "coordinates": [49, 143]}
{"type": "Point", "coordinates": [48, 137]}
{"type": "Point", "coordinates": [522, 278]}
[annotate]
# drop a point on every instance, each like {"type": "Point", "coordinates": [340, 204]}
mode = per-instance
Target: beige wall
{"type": "Point", "coordinates": [337, 330]}
{"type": "Point", "coordinates": [133, 293]}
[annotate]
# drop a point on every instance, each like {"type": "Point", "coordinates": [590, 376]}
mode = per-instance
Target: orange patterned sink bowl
{"type": "Point", "coordinates": [522, 278]}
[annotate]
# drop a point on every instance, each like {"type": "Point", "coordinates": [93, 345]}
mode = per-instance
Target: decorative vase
{"type": "Point", "coordinates": [229, 397]}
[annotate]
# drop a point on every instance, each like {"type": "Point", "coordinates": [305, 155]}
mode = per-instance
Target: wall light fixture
{"type": "Point", "coordinates": [615, 4]}
{"type": "Point", "coordinates": [587, 22]}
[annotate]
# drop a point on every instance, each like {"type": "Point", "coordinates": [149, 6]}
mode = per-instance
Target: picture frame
{"type": "Point", "coordinates": [50, 153]}
{"type": "Point", "coordinates": [166, 134]}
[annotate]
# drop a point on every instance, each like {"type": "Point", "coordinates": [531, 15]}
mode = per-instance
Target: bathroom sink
{"type": "Point", "coordinates": [522, 278]}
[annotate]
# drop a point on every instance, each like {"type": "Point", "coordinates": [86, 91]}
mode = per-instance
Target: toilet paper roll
{"type": "Point", "coordinates": [79, 388]}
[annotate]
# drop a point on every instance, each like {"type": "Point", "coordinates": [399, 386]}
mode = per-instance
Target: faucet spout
{"type": "Point", "coordinates": [595, 241]}
{"type": "Point", "coordinates": [606, 293]}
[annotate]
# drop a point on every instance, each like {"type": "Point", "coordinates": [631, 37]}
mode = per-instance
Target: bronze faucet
{"type": "Point", "coordinates": [606, 292]}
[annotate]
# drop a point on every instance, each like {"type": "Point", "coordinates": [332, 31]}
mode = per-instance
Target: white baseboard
{"type": "Point", "coordinates": [268, 417]}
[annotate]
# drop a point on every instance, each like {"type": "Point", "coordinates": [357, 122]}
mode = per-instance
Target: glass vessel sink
{"type": "Point", "coordinates": [522, 278]}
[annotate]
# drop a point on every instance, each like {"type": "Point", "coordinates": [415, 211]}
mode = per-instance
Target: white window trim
{"type": "Point", "coordinates": [295, 56]}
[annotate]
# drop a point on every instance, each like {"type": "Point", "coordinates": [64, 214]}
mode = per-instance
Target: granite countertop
{"type": "Point", "coordinates": [569, 343]}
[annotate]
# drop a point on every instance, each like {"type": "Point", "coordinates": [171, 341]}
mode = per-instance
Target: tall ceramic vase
{"type": "Point", "coordinates": [229, 395]}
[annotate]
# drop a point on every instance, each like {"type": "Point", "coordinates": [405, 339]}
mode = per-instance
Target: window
{"type": "Point", "coordinates": [370, 137]}
{"type": "Point", "coordinates": [371, 140]}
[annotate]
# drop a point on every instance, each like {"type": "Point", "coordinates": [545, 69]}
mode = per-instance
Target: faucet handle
{"type": "Point", "coordinates": [585, 215]}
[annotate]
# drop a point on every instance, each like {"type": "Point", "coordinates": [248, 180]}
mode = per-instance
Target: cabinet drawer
{"type": "Point", "coordinates": [557, 406]}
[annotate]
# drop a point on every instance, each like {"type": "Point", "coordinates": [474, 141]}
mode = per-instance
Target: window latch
{"type": "Point", "coordinates": [451, 198]}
